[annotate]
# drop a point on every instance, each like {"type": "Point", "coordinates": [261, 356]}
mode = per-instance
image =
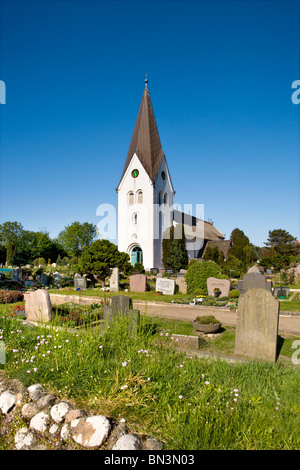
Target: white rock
{"type": "Point", "coordinates": [36, 391]}
{"type": "Point", "coordinates": [7, 401]}
{"type": "Point", "coordinates": [53, 429]}
{"type": "Point", "coordinates": [24, 439]}
{"type": "Point", "coordinates": [40, 421]}
{"type": "Point", "coordinates": [65, 432]}
{"type": "Point", "coordinates": [59, 411]}
{"type": "Point", "coordinates": [128, 442]}
{"type": "Point", "coordinates": [90, 432]}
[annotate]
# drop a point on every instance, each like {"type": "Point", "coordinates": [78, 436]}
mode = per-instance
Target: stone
{"type": "Point", "coordinates": [222, 284]}
{"type": "Point", "coordinates": [114, 280]}
{"type": "Point", "coordinates": [121, 302]}
{"type": "Point", "coordinates": [257, 325]}
{"type": "Point", "coordinates": [16, 274]}
{"type": "Point", "coordinates": [159, 275]}
{"type": "Point", "coordinates": [152, 444]}
{"type": "Point", "coordinates": [29, 410]}
{"type": "Point", "coordinates": [281, 291]}
{"type": "Point", "coordinates": [7, 401]}
{"type": "Point", "coordinates": [80, 282]}
{"type": "Point", "coordinates": [138, 283]}
{"type": "Point", "coordinates": [90, 432]}
{"type": "Point", "coordinates": [24, 439]}
{"type": "Point", "coordinates": [59, 411]}
{"type": "Point", "coordinates": [166, 286]}
{"type": "Point", "coordinates": [74, 414]}
{"type": "Point", "coordinates": [128, 442]}
{"type": "Point", "coordinates": [254, 279]}
{"type": "Point", "coordinates": [181, 283]}
{"type": "Point", "coordinates": [38, 306]}
{"type": "Point", "coordinates": [53, 429]}
{"type": "Point", "coordinates": [188, 341]}
{"type": "Point", "coordinates": [40, 422]}
{"type": "Point", "coordinates": [46, 401]}
{"type": "Point", "coordinates": [65, 432]}
{"type": "Point", "coordinates": [36, 391]}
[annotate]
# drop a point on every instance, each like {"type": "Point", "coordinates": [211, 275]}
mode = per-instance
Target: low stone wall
{"type": "Point", "coordinates": [34, 419]}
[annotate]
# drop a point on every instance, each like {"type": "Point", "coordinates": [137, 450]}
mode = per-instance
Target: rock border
{"type": "Point", "coordinates": [31, 418]}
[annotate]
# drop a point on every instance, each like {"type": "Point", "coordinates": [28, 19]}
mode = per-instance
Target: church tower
{"type": "Point", "coordinates": [145, 192]}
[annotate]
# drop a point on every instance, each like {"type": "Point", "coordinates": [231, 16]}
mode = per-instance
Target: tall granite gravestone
{"type": "Point", "coordinates": [181, 283]}
{"type": "Point", "coordinates": [254, 278]}
{"type": "Point", "coordinates": [222, 284]}
{"type": "Point", "coordinates": [38, 306]}
{"type": "Point", "coordinates": [80, 282]}
{"type": "Point", "coordinates": [16, 274]}
{"type": "Point", "coordinates": [166, 286]}
{"type": "Point", "coordinates": [114, 280]}
{"type": "Point", "coordinates": [138, 283]}
{"type": "Point", "coordinates": [257, 325]}
{"type": "Point", "coordinates": [121, 307]}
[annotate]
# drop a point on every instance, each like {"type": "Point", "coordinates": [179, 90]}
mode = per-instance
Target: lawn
{"type": "Point", "coordinates": [188, 403]}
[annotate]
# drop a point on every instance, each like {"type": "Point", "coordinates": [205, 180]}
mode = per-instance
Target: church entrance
{"type": "Point", "coordinates": [136, 255]}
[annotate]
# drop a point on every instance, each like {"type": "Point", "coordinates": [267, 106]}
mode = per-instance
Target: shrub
{"type": "Point", "coordinates": [207, 319]}
{"type": "Point", "coordinates": [11, 296]}
{"type": "Point", "coordinates": [198, 273]}
{"type": "Point", "coordinates": [234, 294]}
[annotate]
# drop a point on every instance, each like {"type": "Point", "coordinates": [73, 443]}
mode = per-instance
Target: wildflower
{"type": "Point", "coordinates": [101, 346]}
{"type": "Point", "coordinates": [124, 364]}
{"type": "Point", "coordinates": [206, 382]}
{"type": "Point", "coordinates": [180, 397]}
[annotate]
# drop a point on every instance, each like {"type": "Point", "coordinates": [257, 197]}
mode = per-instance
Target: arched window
{"type": "Point", "coordinates": [165, 198]}
{"type": "Point", "coordinates": [130, 198]}
{"type": "Point", "coordinates": [140, 196]}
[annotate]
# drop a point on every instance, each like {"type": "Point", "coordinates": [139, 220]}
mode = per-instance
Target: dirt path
{"type": "Point", "coordinates": [287, 324]}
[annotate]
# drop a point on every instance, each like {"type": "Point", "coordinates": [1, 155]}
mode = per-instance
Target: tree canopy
{"type": "Point", "coordinates": [75, 237]}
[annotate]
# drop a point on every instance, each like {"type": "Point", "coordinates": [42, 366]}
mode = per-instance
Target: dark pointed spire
{"type": "Point", "coordinates": [145, 141]}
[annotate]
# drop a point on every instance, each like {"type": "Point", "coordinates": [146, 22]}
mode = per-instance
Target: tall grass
{"type": "Point", "coordinates": [188, 403]}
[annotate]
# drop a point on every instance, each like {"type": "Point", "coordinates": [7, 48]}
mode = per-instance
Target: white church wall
{"type": "Point", "coordinates": [136, 231]}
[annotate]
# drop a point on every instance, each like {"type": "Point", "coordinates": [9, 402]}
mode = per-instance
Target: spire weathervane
{"type": "Point", "coordinates": [146, 79]}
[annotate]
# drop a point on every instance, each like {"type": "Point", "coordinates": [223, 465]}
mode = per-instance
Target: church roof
{"type": "Point", "coordinates": [145, 141]}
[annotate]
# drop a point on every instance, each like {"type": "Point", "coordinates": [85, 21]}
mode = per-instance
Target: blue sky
{"type": "Point", "coordinates": [220, 75]}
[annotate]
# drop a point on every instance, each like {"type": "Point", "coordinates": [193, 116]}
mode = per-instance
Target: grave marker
{"type": "Point", "coordinates": [114, 280]}
{"type": "Point", "coordinates": [222, 284]}
{"type": "Point", "coordinates": [138, 283]}
{"type": "Point", "coordinates": [38, 306]}
{"type": "Point", "coordinates": [80, 282]}
{"type": "Point", "coordinates": [257, 325]}
{"type": "Point", "coordinates": [166, 286]}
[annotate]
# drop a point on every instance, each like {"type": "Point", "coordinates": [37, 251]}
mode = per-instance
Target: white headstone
{"type": "Point", "coordinates": [114, 280]}
{"type": "Point", "coordinates": [166, 286]}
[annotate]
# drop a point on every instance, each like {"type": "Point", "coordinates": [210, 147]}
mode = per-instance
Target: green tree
{"type": "Point", "coordinates": [282, 242]}
{"type": "Point", "coordinates": [100, 256]}
{"type": "Point", "coordinates": [174, 248]}
{"type": "Point", "coordinates": [10, 235]}
{"type": "Point", "coordinates": [75, 237]}
{"type": "Point", "coordinates": [198, 273]}
{"type": "Point", "coordinates": [240, 248]}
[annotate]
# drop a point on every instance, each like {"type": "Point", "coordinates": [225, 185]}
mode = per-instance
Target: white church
{"type": "Point", "coordinates": [145, 199]}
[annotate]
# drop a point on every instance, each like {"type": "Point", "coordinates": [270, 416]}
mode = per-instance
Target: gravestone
{"type": "Point", "coordinates": [254, 279]}
{"type": "Point", "coordinates": [222, 284]}
{"type": "Point", "coordinates": [80, 282]}
{"type": "Point", "coordinates": [114, 280]}
{"type": "Point", "coordinates": [257, 325]}
{"type": "Point", "coordinates": [138, 283]}
{"type": "Point", "coordinates": [42, 279]}
{"type": "Point", "coordinates": [154, 270]}
{"type": "Point", "coordinates": [16, 274]}
{"type": "Point", "coordinates": [281, 291]}
{"type": "Point", "coordinates": [121, 307]}
{"type": "Point", "coordinates": [159, 275]}
{"type": "Point", "coordinates": [38, 306]}
{"type": "Point", "coordinates": [166, 286]}
{"type": "Point", "coordinates": [181, 283]}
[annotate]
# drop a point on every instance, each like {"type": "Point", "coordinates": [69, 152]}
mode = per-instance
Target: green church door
{"type": "Point", "coordinates": [136, 255]}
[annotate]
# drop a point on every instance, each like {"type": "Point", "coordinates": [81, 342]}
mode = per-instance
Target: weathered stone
{"type": "Point", "coordinates": [257, 325]}
{"type": "Point", "coordinates": [29, 410]}
{"type": "Point", "coordinates": [74, 414]}
{"type": "Point", "coordinates": [118, 431]}
{"type": "Point", "coordinates": [59, 411]}
{"type": "Point", "coordinates": [36, 391]}
{"type": "Point", "coordinates": [152, 444]}
{"type": "Point", "coordinates": [40, 422]}
{"type": "Point", "coordinates": [114, 280]}
{"type": "Point", "coordinates": [65, 431]}
{"type": "Point", "coordinates": [53, 429]}
{"type": "Point", "coordinates": [80, 282]}
{"type": "Point", "coordinates": [222, 284]}
{"type": "Point", "coordinates": [46, 401]}
{"type": "Point", "coordinates": [90, 432]}
{"type": "Point", "coordinates": [188, 341]}
{"type": "Point", "coordinates": [181, 283]}
{"type": "Point", "coordinates": [24, 439]}
{"type": "Point", "coordinates": [128, 442]}
{"type": "Point", "coordinates": [7, 401]}
{"type": "Point", "coordinates": [254, 279]}
{"type": "Point", "coordinates": [38, 306]}
{"type": "Point", "coordinates": [138, 283]}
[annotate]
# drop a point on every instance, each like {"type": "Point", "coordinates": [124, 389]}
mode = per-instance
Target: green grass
{"type": "Point", "coordinates": [188, 403]}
